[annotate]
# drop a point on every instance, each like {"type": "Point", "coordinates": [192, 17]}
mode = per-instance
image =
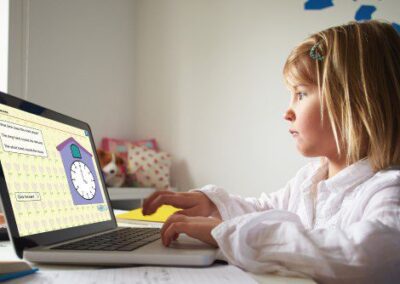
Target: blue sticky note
{"type": "Point", "coordinates": [396, 27]}
{"type": "Point", "coordinates": [317, 4]}
{"type": "Point", "coordinates": [8, 276]}
{"type": "Point", "coordinates": [365, 12]}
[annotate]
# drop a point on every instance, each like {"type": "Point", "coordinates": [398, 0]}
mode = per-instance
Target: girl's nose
{"type": "Point", "coordinates": [289, 115]}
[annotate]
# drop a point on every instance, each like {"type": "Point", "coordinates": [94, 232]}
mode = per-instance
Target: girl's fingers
{"type": "Point", "coordinates": [156, 194]}
{"type": "Point", "coordinates": [179, 201]}
{"type": "Point", "coordinates": [195, 227]}
{"type": "Point", "coordinates": [172, 230]}
{"type": "Point", "coordinates": [192, 203]}
{"type": "Point", "coordinates": [193, 211]}
{"type": "Point", "coordinates": [150, 199]}
{"type": "Point", "coordinates": [172, 219]}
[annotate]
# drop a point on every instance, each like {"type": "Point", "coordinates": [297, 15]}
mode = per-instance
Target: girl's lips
{"type": "Point", "coordinates": [293, 132]}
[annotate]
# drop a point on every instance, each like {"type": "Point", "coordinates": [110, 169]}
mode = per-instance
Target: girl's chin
{"type": "Point", "coordinates": [306, 151]}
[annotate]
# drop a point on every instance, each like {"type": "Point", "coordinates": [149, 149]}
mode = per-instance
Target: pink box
{"type": "Point", "coordinates": [121, 146]}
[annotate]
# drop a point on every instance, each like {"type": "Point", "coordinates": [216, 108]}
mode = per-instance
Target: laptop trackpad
{"type": "Point", "coordinates": [183, 251]}
{"type": "Point", "coordinates": [184, 242]}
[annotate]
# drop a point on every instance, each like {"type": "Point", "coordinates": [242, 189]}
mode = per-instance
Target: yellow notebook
{"type": "Point", "coordinates": [161, 215]}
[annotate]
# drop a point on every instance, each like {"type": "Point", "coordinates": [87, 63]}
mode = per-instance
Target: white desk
{"type": "Point", "coordinates": [7, 253]}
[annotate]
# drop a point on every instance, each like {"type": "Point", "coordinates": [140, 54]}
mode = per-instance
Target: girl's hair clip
{"type": "Point", "coordinates": [314, 54]}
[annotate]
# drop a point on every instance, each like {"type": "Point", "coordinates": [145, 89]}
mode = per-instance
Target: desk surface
{"type": "Point", "coordinates": [7, 253]}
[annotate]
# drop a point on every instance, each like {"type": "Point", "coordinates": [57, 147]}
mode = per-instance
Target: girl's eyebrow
{"type": "Point", "coordinates": [304, 87]}
{"type": "Point", "coordinates": [299, 86]}
{"type": "Point", "coordinates": [296, 87]}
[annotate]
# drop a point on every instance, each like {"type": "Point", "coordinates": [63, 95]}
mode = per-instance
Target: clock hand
{"type": "Point", "coordinates": [83, 178]}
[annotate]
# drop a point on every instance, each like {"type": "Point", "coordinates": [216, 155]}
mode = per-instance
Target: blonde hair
{"type": "Point", "coordinates": [358, 80]}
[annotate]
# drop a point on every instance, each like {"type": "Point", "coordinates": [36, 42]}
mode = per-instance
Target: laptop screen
{"type": "Point", "coordinates": [51, 174]}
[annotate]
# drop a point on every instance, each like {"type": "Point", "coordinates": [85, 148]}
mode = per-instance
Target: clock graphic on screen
{"type": "Point", "coordinates": [80, 173]}
{"type": "Point", "coordinates": [83, 180]}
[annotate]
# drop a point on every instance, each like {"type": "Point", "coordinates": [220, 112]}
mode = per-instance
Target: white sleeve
{"type": "Point", "coordinates": [276, 241]}
{"type": "Point", "coordinates": [230, 206]}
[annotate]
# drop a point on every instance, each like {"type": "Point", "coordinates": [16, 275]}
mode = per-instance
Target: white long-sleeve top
{"type": "Point", "coordinates": [345, 229]}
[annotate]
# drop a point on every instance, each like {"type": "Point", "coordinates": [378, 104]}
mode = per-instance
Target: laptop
{"type": "Point", "coordinates": [55, 200]}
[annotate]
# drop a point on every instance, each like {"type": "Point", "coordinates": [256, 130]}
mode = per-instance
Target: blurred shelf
{"type": "Point", "coordinates": [128, 198]}
{"type": "Point", "coordinates": [129, 193]}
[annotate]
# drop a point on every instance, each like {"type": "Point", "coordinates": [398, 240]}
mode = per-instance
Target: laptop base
{"type": "Point", "coordinates": [183, 252]}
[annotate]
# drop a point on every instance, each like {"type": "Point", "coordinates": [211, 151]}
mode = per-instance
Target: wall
{"type": "Point", "coordinates": [201, 76]}
{"type": "Point", "coordinates": [209, 85]}
{"type": "Point", "coordinates": [4, 8]}
{"type": "Point", "coordinates": [75, 57]}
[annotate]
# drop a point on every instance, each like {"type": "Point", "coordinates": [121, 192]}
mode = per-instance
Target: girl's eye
{"type": "Point", "coordinates": [300, 95]}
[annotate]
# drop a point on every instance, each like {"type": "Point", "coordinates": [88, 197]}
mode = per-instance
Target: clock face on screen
{"type": "Point", "coordinates": [83, 180]}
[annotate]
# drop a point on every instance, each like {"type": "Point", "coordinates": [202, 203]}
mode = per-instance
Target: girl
{"type": "Point", "coordinates": [338, 219]}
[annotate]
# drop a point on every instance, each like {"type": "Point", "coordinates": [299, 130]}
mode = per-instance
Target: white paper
{"type": "Point", "coordinates": [142, 275]}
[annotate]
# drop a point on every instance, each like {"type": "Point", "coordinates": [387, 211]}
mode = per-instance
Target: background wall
{"type": "Point", "coordinates": [209, 85]}
{"type": "Point", "coordinates": [76, 57]}
{"type": "Point", "coordinates": [4, 20]}
{"type": "Point", "coordinates": [201, 76]}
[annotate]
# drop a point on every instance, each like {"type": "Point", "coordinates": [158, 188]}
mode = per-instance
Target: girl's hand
{"type": "Point", "coordinates": [192, 203]}
{"type": "Point", "coordinates": [196, 227]}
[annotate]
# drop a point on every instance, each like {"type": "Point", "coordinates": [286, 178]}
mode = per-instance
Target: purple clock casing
{"type": "Point", "coordinates": [66, 155]}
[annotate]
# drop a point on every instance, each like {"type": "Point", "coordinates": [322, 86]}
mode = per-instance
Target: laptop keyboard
{"type": "Point", "coordinates": [125, 239]}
